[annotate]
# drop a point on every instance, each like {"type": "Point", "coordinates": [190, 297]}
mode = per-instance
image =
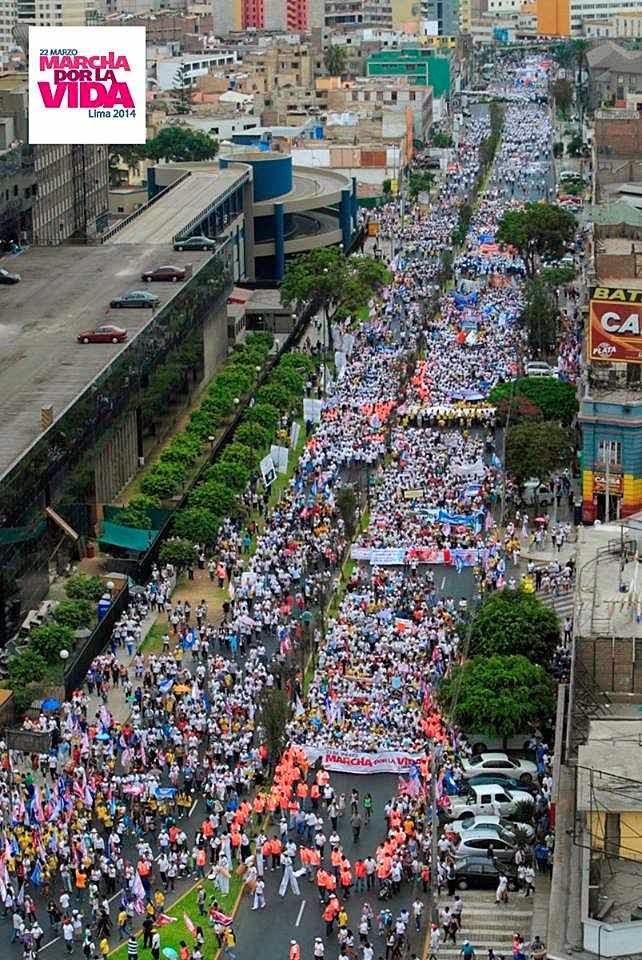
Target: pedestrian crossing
{"type": "Point", "coordinates": [562, 603]}
{"type": "Point", "coordinates": [487, 924]}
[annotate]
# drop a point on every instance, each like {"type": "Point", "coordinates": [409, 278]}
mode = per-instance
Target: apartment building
{"type": "Point", "coordinates": [583, 11]}
{"type": "Point", "coordinates": [353, 14]}
{"type": "Point", "coordinates": [62, 189]}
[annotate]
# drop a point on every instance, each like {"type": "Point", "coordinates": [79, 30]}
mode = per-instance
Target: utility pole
{"type": "Point", "coordinates": [607, 499]}
{"type": "Point", "coordinates": [433, 911]}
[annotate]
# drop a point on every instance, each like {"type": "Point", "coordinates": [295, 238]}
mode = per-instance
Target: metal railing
{"type": "Point", "coordinates": [108, 234]}
{"type": "Point", "coordinates": [76, 670]}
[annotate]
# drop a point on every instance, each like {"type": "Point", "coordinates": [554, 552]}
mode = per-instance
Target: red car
{"type": "Point", "coordinates": [164, 273]}
{"type": "Point", "coordinates": [106, 333]}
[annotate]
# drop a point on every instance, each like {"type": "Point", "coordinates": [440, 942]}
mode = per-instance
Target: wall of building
{"type": "Point", "coordinates": [117, 461]}
{"type": "Point", "coordinates": [618, 137]}
{"type": "Point", "coordinates": [619, 266]}
{"type": "Point", "coordinates": [609, 421]}
{"type": "Point", "coordinates": [554, 18]}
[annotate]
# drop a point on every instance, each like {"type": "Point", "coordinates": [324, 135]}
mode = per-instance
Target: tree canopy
{"type": "Point", "coordinates": [537, 230]}
{"type": "Point", "coordinates": [325, 275]}
{"type": "Point", "coordinates": [334, 60]}
{"type": "Point", "coordinates": [501, 696]}
{"type": "Point", "coordinates": [177, 144]}
{"type": "Point", "coordinates": [515, 622]}
{"type": "Point", "coordinates": [537, 449]}
{"type": "Point", "coordinates": [556, 399]}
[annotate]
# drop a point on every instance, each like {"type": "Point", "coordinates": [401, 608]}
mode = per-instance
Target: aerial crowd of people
{"type": "Point", "coordinates": [99, 831]}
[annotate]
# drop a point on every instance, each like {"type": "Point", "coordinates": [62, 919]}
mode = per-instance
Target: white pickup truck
{"type": "Point", "coordinates": [487, 798]}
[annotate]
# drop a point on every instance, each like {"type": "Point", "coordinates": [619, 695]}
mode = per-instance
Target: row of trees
{"type": "Point", "coordinates": [504, 686]}
{"type": "Point", "coordinates": [217, 496]}
{"type": "Point", "coordinates": [538, 231]}
{"type": "Point", "coordinates": [166, 477]}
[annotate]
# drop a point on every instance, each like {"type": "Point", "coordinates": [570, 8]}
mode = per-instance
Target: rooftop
{"type": "Point", "coordinates": [65, 290]}
{"type": "Point", "coordinates": [178, 207]}
{"type": "Point", "coordinates": [614, 213]}
{"type": "Point", "coordinates": [611, 56]}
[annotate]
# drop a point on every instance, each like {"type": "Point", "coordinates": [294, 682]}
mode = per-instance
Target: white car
{"type": "Point", "coordinates": [467, 828]}
{"type": "Point", "coordinates": [501, 764]}
{"type": "Point", "coordinates": [487, 798]}
{"type": "Point", "coordinates": [538, 368]}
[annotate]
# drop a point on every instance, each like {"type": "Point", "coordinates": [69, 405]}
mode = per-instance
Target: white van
{"type": "Point", "coordinates": [489, 798]}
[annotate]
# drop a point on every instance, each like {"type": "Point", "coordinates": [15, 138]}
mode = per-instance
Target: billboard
{"type": "Point", "coordinates": [615, 325]}
{"type": "Point", "coordinates": [87, 85]}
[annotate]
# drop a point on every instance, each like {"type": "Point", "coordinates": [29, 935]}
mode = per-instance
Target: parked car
{"type": "Point", "coordinates": [483, 742]}
{"type": "Point", "coordinates": [483, 872]}
{"type": "Point", "coordinates": [164, 273]}
{"type": "Point", "coordinates": [197, 242]}
{"type": "Point", "coordinates": [478, 844]}
{"type": "Point", "coordinates": [135, 298]}
{"type": "Point", "coordinates": [486, 798]}
{"type": "Point", "coordinates": [499, 825]}
{"type": "Point", "coordinates": [105, 333]}
{"type": "Point", "coordinates": [511, 783]}
{"type": "Point", "coordinates": [538, 494]}
{"type": "Point", "coordinates": [538, 368]}
{"type": "Point", "coordinates": [499, 763]}
{"type": "Point", "coordinates": [7, 277]}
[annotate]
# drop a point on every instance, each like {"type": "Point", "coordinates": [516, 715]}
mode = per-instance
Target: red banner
{"type": "Point", "coordinates": [615, 331]}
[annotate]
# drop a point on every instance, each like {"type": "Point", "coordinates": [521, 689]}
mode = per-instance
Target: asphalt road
{"type": "Point", "coordinates": [267, 933]}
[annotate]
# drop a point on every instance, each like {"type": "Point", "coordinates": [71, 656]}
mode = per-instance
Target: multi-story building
{"type": "Point", "coordinates": [376, 96]}
{"type": "Point", "coordinates": [7, 23]}
{"type": "Point", "coordinates": [73, 192]}
{"type": "Point", "coordinates": [226, 16]}
{"type": "Point", "coordinates": [614, 72]}
{"type": "Point", "coordinates": [63, 190]}
{"type": "Point", "coordinates": [165, 70]}
{"type": "Point", "coordinates": [440, 17]}
{"type": "Point", "coordinates": [52, 13]}
{"type": "Point", "coordinates": [582, 11]}
{"type": "Point", "coordinates": [553, 18]}
{"type": "Point", "coordinates": [421, 66]}
{"type": "Point", "coordinates": [353, 14]}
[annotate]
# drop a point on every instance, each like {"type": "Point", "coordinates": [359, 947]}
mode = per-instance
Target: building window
{"type": "Point", "coordinates": [610, 448]}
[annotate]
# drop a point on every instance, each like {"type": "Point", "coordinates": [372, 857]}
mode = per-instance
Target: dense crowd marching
{"type": "Point", "coordinates": [100, 816]}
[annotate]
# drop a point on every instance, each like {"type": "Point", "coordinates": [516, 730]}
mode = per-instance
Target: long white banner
{"type": "Point", "coordinates": [347, 761]}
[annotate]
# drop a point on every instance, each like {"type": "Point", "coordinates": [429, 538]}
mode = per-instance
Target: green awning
{"type": "Point", "coordinates": [127, 538]}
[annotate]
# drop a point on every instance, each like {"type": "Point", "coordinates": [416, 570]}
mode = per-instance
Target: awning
{"type": "Point", "coordinates": [127, 538]}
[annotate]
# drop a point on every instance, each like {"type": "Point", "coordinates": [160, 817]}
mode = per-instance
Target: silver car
{"type": "Point", "coordinates": [501, 764]}
{"type": "Point", "coordinates": [479, 842]}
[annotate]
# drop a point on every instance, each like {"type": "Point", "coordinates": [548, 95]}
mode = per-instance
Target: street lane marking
{"type": "Point", "coordinates": [443, 583]}
{"type": "Point", "coordinates": [193, 807]}
{"type": "Point", "coordinates": [301, 909]}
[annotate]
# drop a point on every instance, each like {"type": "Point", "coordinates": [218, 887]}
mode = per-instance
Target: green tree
{"type": "Point", "coordinates": [83, 587]}
{"type": "Point", "coordinates": [515, 622]}
{"type": "Point", "coordinates": [74, 613]}
{"type": "Point", "coordinates": [540, 317]}
{"type": "Point", "coordinates": [50, 639]}
{"type": "Point", "coordinates": [25, 668]}
{"type": "Point", "coordinates": [216, 497]}
{"type": "Point", "coordinates": [339, 284]}
{"type": "Point", "coordinates": [347, 507]}
{"type": "Point", "coordinates": [501, 696]}
{"type": "Point", "coordinates": [275, 395]}
{"type": "Point", "coordinates": [236, 476]}
{"type": "Point", "coordinates": [274, 713]}
{"type": "Point", "coordinates": [253, 435]}
{"type": "Point", "coordinates": [537, 230]}
{"type": "Point", "coordinates": [557, 276]}
{"type": "Point", "coordinates": [183, 449]}
{"type": "Point", "coordinates": [556, 399]}
{"type": "Point", "coordinates": [135, 516]}
{"type": "Point", "coordinates": [419, 182]}
{"type": "Point", "coordinates": [176, 145]}
{"type": "Point", "coordinates": [562, 91]}
{"type": "Point", "coordinates": [197, 524]}
{"type": "Point", "coordinates": [240, 453]}
{"type": "Point", "coordinates": [334, 60]}
{"type": "Point", "coordinates": [163, 480]}
{"type": "Point", "coordinates": [180, 553]}
{"type": "Point", "coordinates": [442, 140]}
{"type": "Point", "coordinates": [537, 450]}
{"type": "Point", "coordinates": [182, 91]}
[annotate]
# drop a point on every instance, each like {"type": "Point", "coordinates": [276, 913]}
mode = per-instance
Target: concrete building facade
{"type": "Point", "coordinates": [422, 66]}
{"type": "Point", "coordinates": [350, 15]}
